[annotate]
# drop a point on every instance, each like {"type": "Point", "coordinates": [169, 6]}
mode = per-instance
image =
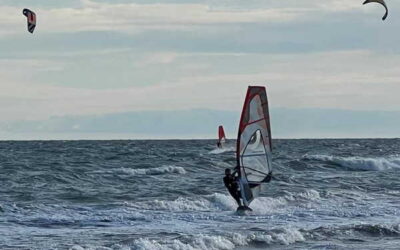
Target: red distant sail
{"type": "Point", "coordinates": [221, 136]}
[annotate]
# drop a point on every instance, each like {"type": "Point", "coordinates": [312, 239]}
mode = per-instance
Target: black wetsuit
{"type": "Point", "coordinates": [232, 186]}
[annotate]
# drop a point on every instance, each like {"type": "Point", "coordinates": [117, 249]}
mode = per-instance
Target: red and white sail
{"type": "Point", "coordinates": [221, 136]}
{"type": "Point", "coordinates": [254, 145]}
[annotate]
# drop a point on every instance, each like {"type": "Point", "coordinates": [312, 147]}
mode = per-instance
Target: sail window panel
{"type": "Point", "coordinates": [256, 112]}
{"type": "Point", "coordinates": [254, 158]}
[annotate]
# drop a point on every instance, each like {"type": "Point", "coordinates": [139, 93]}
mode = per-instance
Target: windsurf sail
{"type": "Point", "coordinates": [221, 136]}
{"type": "Point", "coordinates": [254, 145]}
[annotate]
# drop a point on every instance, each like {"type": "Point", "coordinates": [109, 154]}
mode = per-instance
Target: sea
{"type": "Point", "coordinates": [169, 194]}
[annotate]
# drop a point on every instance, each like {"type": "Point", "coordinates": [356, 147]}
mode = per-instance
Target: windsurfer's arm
{"type": "Point", "coordinates": [235, 173]}
{"type": "Point", "coordinates": [228, 183]}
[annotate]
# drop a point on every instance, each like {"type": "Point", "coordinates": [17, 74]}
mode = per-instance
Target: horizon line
{"type": "Point", "coordinates": [202, 139]}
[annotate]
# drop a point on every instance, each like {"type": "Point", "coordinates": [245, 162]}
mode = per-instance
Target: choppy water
{"type": "Point", "coordinates": [327, 194]}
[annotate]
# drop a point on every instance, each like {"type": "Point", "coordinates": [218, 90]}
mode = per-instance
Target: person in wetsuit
{"type": "Point", "coordinates": [230, 181]}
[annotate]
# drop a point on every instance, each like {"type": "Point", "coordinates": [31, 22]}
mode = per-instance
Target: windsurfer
{"type": "Point", "coordinates": [230, 181]}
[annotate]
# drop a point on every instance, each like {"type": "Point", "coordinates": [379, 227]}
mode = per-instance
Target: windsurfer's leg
{"type": "Point", "coordinates": [238, 201]}
{"type": "Point", "coordinates": [237, 198]}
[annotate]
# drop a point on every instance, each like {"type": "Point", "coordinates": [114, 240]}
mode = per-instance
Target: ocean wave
{"type": "Point", "coordinates": [224, 202]}
{"type": "Point", "coordinates": [64, 216]}
{"type": "Point", "coordinates": [146, 171]}
{"type": "Point", "coordinates": [214, 202]}
{"type": "Point", "coordinates": [214, 242]}
{"type": "Point", "coordinates": [369, 230]}
{"type": "Point", "coordinates": [267, 205]}
{"type": "Point", "coordinates": [222, 150]}
{"type": "Point", "coordinates": [284, 236]}
{"type": "Point", "coordinates": [206, 242]}
{"type": "Point", "coordinates": [180, 204]}
{"type": "Point", "coordinates": [201, 242]}
{"type": "Point", "coordinates": [306, 195]}
{"type": "Point", "coordinates": [378, 230]}
{"type": "Point", "coordinates": [358, 163]}
{"type": "Point", "coordinates": [277, 236]}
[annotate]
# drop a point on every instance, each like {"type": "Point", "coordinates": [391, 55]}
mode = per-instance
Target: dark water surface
{"type": "Point", "coordinates": [327, 194]}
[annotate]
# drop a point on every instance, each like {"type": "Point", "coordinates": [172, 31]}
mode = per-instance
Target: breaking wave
{"type": "Point", "coordinates": [358, 163]}
{"type": "Point", "coordinates": [214, 202]}
{"type": "Point", "coordinates": [223, 202]}
{"type": "Point", "coordinates": [146, 171]}
{"type": "Point", "coordinates": [215, 242]}
{"type": "Point", "coordinates": [206, 242]}
{"type": "Point", "coordinates": [369, 230]}
{"type": "Point", "coordinates": [281, 236]}
{"type": "Point", "coordinates": [222, 150]}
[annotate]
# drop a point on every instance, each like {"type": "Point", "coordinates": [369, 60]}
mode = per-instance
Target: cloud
{"type": "Point", "coordinates": [203, 123]}
{"type": "Point", "coordinates": [138, 17]}
{"type": "Point", "coordinates": [134, 18]}
{"type": "Point", "coordinates": [97, 57]}
{"type": "Point", "coordinates": [324, 80]}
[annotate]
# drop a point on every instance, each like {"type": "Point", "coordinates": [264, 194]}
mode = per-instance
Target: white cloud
{"type": "Point", "coordinates": [347, 80]}
{"type": "Point", "coordinates": [356, 79]}
{"type": "Point", "coordinates": [339, 5]}
{"type": "Point", "coordinates": [132, 17]}
{"type": "Point", "coordinates": [158, 58]}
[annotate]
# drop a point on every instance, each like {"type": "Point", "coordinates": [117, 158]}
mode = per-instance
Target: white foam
{"type": "Point", "coordinates": [146, 244]}
{"type": "Point", "coordinates": [77, 247]}
{"type": "Point", "coordinates": [214, 202]}
{"type": "Point", "coordinates": [207, 242]}
{"type": "Point", "coordinates": [147, 171]}
{"type": "Point", "coordinates": [283, 237]}
{"type": "Point", "coordinates": [180, 204]}
{"type": "Point", "coordinates": [222, 150]}
{"type": "Point", "coordinates": [309, 194]}
{"type": "Point", "coordinates": [359, 163]}
{"type": "Point", "coordinates": [200, 242]}
{"type": "Point", "coordinates": [268, 205]}
{"type": "Point", "coordinates": [224, 202]}
{"type": "Point", "coordinates": [213, 242]}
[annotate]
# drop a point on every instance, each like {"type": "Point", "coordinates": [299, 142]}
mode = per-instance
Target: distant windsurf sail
{"type": "Point", "coordinates": [221, 136]}
{"type": "Point", "coordinates": [254, 144]}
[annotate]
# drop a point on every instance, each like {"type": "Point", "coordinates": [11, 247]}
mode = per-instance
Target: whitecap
{"type": "Point", "coordinates": [146, 171]}
{"type": "Point", "coordinates": [218, 242]}
{"type": "Point", "coordinates": [359, 163]}
{"type": "Point", "coordinates": [222, 150]}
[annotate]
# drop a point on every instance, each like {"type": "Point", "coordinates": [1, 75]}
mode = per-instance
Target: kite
{"type": "Point", "coordinates": [31, 18]}
{"type": "Point", "coordinates": [381, 2]}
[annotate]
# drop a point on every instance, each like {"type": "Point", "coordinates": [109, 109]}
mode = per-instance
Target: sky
{"type": "Point", "coordinates": [91, 58]}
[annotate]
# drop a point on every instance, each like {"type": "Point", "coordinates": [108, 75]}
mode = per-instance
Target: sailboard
{"type": "Point", "coordinates": [221, 136]}
{"type": "Point", "coordinates": [254, 145]}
